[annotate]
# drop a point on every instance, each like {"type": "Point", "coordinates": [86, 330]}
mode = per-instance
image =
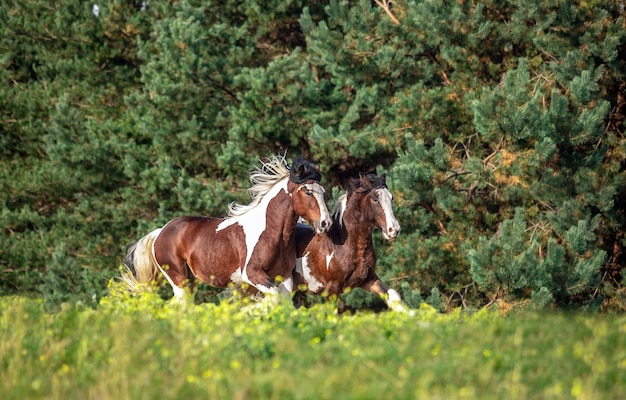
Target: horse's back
{"type": "Point", "coordinates": [183, 233]}
{"type": "Point", "coordinates": [192, 226]}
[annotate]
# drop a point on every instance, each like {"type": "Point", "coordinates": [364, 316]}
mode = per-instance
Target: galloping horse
{"type": "Point", "coordinates": [344, 257]}
{"type": "Point", "coordinates": [255, 244]}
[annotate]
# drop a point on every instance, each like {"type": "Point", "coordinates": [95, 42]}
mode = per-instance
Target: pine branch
{"type": "Point", "coordinates": [384, 4]}
{"type": "Point", "coordinates": [454, 174]}
{"type": "Point", "coordinates": [496, 151]}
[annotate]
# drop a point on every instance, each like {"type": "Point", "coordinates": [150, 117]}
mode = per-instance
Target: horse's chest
{"type": "Point", "coordinates": [275, 258]}
{"type": "Point", "coordinates": [360, 272]}
{"type": "Point", "coordinates": [350, 270]}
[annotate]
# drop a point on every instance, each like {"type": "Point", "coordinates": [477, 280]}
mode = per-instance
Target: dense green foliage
{"type": "Point", "coordinates": [499, 123]}
{"type": "Point", "coordinates": [146, 349]}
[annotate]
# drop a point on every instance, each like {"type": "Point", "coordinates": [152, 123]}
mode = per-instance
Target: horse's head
{"type": "Point", "coordinates": [307, 194]}
{"type": "Point", "coordinates": [376, 203]}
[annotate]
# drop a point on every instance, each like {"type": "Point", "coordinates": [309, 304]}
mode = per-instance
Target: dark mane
{"type": "Point", "coordinates": [302, 171]}
{"type": "Point", "coordinates": [367, 183]}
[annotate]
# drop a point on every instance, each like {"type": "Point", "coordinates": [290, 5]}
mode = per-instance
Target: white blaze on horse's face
{"type": "Point", "coordinates": [317, 191]}
{"type": "Point", "coordinates": [392, 226]}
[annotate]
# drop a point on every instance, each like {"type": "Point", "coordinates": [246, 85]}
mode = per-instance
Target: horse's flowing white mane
{"type": "Point", "coordinates": [263, 179]}
{"type": "Point", "coordinates": [340, 208]}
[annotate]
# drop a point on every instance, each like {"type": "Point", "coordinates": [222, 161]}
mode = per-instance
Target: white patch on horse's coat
{"type": "Point", "coordinates": [302, 267]}
{"type": "Point", "coordinates": [393, 295]}
{"type": "Point", "coordinates": [286, 286]}
{"type": "Point", "coordinates": [235, 277]}
{"type": "Point", "coordinates": [340, 207]}
{"type": "Point", "coordinates": [313, 188]}
{"type": "Point", "coordinates": [266, 290]}
{"type": "Point", "coordinates": [385, 198]}
{"type": "Point", "coordinates": [328, 259]}
{"type": "Point", "coordinates": [253, 223]}
{"type": "Point", "coordinates": [394, 302]}
{"type": "Point", "coordinates": [180, 295]}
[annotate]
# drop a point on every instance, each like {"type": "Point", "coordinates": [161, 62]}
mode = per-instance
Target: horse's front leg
{"type": "Point", "coordinates": [259, 281]}
{"type": "Point", "coordinates": [273, 292]}
{"type": "Point", "coordinates": [285, 287]}
{"type": "Point", "coordinates": [255, 276]}
{"type": "Point", "coordinates": [391, 297]}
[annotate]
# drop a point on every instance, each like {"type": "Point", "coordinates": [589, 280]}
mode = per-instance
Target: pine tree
{"type": "Point", "coordinates": [65, 73]}
{"type": "Point", "coordinates": [497, 110]}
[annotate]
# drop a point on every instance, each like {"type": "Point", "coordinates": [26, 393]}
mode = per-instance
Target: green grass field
{"type": "Point", "coordinates": [148, 349]}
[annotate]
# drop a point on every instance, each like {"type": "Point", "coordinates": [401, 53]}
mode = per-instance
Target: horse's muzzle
{"type": "Point", "coordinates": [323, 225]}
{"type": "Point", "coordinates": [391, 233]}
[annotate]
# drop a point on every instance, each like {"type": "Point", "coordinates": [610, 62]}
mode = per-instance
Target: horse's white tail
{"type": "Point", "coordinates": [141, 267]}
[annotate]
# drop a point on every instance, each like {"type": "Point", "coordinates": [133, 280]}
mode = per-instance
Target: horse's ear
{"type": "Point", "coordinates": [298, 169]}
{"type": "Point", "coordinates": [384, 178]}
{"type": "Point", "coordinates": [301, 170]}
{"type": "Point", "coordinates": [365, 179]}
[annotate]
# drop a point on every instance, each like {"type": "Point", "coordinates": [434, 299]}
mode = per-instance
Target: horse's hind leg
{"type": "Point", "coordinates": [177, 276]}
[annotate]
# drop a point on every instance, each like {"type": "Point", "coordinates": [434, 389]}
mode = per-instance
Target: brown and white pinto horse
{"type": "Point", "coordinates": [255, 244]}
{"type": "Point", "coordinates": [345, 257]}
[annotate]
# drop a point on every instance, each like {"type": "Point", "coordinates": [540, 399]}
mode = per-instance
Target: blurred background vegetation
{"type": "Point", "coordinates": [500, 125]}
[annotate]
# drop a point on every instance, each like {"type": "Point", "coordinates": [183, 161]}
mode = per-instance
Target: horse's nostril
{"type": "Point", "coordinates": [324, 224]}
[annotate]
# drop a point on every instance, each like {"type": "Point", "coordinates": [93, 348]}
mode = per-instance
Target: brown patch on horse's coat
{"type": "Point", "coordinates": [180, 244]}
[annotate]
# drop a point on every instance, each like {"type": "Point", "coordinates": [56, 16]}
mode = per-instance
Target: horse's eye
{"type": "Point", "coordinates": [309, 193]}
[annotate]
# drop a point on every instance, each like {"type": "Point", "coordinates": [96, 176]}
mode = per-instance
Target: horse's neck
{"type": "Point", "coordinates": [357, 247]}
{"type": "Point", "coordinates": [288, 227]}
{"type": "Point", "coordinates": [272, 215]}
{"type": "Point", "coordinates": [355, 229]}
{"type": "Point", "coordinates": [280, 217]}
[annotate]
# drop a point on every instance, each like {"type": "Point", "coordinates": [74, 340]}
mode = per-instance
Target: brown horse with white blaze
{"type": "Point", "coordinates": [255, 244]}
{"type": "Point", "coordinates": [344, 257]}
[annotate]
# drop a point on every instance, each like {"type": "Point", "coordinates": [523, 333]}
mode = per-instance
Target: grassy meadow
{"type": "Point", "coordinates": [145, 348]}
